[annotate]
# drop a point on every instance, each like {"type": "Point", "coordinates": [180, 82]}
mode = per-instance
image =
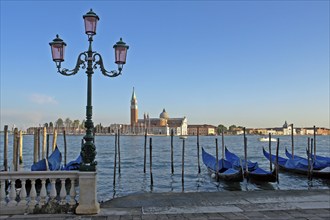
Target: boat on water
{"type": "Point", "coordinates": [266, 139]}
{"type": "Point", "coordinates": [52, 163]}
{"type": "Point", "coordinates": [253, 171]}
{"type": "Point", "coordinates": [225, 170]}
{"type": "Point", "coordinates": [73, 165]}
{"type": "Point", "coordinates": [318, 163]}
{"type": "Point", "coordinates": [321, 158]}
{"type": "Point", "coordinates": [236, 161]}
{"type": "Point", "coordinates": [297, 166]}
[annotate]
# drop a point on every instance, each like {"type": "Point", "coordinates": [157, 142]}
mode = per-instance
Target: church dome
{"type": "Point", "coordinates": [164, 114]}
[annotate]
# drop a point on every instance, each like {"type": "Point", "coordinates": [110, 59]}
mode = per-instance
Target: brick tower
{"type": "Point", "coordinates": [134, 109]}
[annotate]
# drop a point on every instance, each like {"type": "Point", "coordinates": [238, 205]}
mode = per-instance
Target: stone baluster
{"type": "Point", "coordinates": [23, 194]}
{"type": "Point", "coordinates": [3, 193]}
{"type": "Point", "coordinates": [53, 193]}
{"type": "Point", "coordinates": [72, 193]}
{"type": "Point", "coordinates": [63, 192]}
{"type": "Point", "coordinates": [43, 193]}
{"type": "Point", "coordinates": [33, 195]}
{"type": "Point", "coordinates": [12, 194]}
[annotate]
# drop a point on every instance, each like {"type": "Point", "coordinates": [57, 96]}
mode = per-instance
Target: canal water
{"type": "Point", "coordinates": [133, 180]}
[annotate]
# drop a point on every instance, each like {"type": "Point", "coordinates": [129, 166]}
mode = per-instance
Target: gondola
{"type": "Point", "coordinates": [253, 172]}
{"type": "Point", "coordinates": [297, 166]}
{"type": "Point", "coordinates": [323, 158]}
{"type": "Point", "coordinates": [236, 160]}
{"type": "Point", "coordinates": [52, 163]}
{"type": "Point", "coordinates": [225, 171]}
{"type": "Point", "coordinates": [289, 165]}
{"type": "Point", "coordinates": [318, 164]}
{"type": "Point", "coordinates": [73, 165]}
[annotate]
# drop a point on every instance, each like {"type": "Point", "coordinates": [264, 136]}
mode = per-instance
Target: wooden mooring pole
{"type": "Point", "coordinates": [145, 151]}
{"type": "Point", "coordinates": [15, 149]}
{"type": "Point", "coordinates": [314, 136]}
{"type": "Point", "coordinates": [292, 142]}
{"type": "Point", "coordinates": [312, 159]}
{"type": "Point", "coordinates": [270, 151]}
{"type": "Point", "coordinates": [198, 162]}
{"type": "Point", "coordinates": [115, 162]}
{"type": "Point", "coordinates": [54, 139]}
{"type": "Point", "coordinates": [183, 149]}
{"type": "Point", "coordinates": [277, 168]}
{"type": "Point", "coordinates": [47, 154]}
{"type": "Point", "coordinates": [38, 141]}
{"type": "Point", "coordinates": [222, 147]}
{"type": "Point", "coordinates": [20, 147]}
{"type": "Point", "coordinates": [44, 143]}
{"type": "Point", "coordinates": [65, 149]}
{"type": "Point", "coordinates": [5, 148]}
{"type": "Point", "coordinates": [172, 163]}
{"type": "Point", "coordinates": [150, 149]}
{"type": "Point", "coordinates": [35, 146]}
{"type": "Point", "coordinates": [223, 144]}
{"type": "Point", "coordinates": [217, 159]}
{"type": "Point", "coordinates": [309, 159]}
{"type": "Point", "coordinates": [245, 152]}
{"type": "Point", "coordinates": [118, 151]}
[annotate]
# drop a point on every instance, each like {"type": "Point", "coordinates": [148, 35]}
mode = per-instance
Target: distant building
{"type": "Point", "coordinates": [155, 126]}
{"type": "Point", "coordinates": [203, 130]}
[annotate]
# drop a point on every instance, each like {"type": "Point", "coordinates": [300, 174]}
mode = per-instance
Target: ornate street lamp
{"type": "Point", "coordinates": [93, 59]}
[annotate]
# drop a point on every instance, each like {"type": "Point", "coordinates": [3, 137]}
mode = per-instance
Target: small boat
{"type": "Point", "coordinates": [317, 164]}
{"type": "Point", "coordinates": [73, 165]}
{"type": "Point", "coordinates": [261, 175]}
{"type": "Point", "coordinates": [266, 139]}
{"type": "Point", "coordinates": [225, 171]}
{"type": "Point", "coordinates": [253, 172]}
{"type": "Point", "coordinates": [321, 158]}
{"type": "Point", "coordinates": [236, 160]}
{"type": "Point", "coordinates": [53, 162]}
{"type": "Point", "coordinates": [297, 166]}
{"type": "Point", "coordinates": [290, 165]}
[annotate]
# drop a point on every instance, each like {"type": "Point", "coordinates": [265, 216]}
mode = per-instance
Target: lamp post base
{"type": "Point", "coordinates": [88, 194]}
{"type": "Point", "coordinates": [87, 167]}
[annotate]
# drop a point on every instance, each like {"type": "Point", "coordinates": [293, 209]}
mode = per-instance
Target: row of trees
{"type": "Point", "coordinates": [225, 129]}
{"type": "Point", "coordinates": [67, 124]}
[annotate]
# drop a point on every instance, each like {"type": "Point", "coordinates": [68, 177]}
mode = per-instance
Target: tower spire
{"type": "Point", "coordinates": [133, 94]}
{"type": "Point", "coordinates": [134, 109]}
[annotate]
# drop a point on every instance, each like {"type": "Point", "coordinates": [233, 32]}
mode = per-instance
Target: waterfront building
{"type": "Point", "coordinates": [203, 130]}
{"type": "Point", "coordinates": [154, 126]}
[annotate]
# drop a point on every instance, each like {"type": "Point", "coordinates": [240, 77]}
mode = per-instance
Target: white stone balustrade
{"type": "Point", "coordinates": [36, 188]}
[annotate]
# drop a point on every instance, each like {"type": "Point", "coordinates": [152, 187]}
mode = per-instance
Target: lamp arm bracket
{"type": "Point", "coordinates": [99, 62]}
{"type": "Point", "coordinates": [80, 62]}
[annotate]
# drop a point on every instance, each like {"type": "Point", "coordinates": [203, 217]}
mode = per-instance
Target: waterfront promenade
{"type": "Point", "coordinates": [270, 204]}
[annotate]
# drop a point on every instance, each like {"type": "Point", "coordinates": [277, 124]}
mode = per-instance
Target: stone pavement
{"type": "Point", "coordinates": [266, 204]}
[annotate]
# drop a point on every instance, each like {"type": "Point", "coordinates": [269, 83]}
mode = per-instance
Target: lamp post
{"type": "Point", "coordinates": [93, 59]}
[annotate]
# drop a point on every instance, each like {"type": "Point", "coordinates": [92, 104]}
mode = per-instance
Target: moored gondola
{"type": "Point", "coordinates": [298, 166]}
{"type": "Point", "coordinates": [254, 172]}
{"type": "Point", "coordinates": [225, 171]}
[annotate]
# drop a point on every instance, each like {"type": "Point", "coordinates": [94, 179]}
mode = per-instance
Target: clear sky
{"type": "Point", "coordinates": [248, 63]}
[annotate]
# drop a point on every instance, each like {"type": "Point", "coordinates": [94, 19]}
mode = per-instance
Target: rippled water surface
{"type": "Point", "coordinates": [132, 179]}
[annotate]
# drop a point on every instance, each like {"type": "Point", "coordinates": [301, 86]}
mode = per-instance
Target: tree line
{"type": "Point", "coordinates": [231, 128]}
{"type": "Point", "coordinates": [67, 124]}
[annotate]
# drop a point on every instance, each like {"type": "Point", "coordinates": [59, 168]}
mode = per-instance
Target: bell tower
{"type": "Point", "coordinates": [134, 109]}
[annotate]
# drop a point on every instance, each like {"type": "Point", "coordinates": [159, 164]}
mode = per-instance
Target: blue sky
{"type": "Point", "coordinates": [248, 63]}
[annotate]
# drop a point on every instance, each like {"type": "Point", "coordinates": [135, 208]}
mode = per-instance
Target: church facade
{"type": "Point", "coordinates": [163, 125]}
